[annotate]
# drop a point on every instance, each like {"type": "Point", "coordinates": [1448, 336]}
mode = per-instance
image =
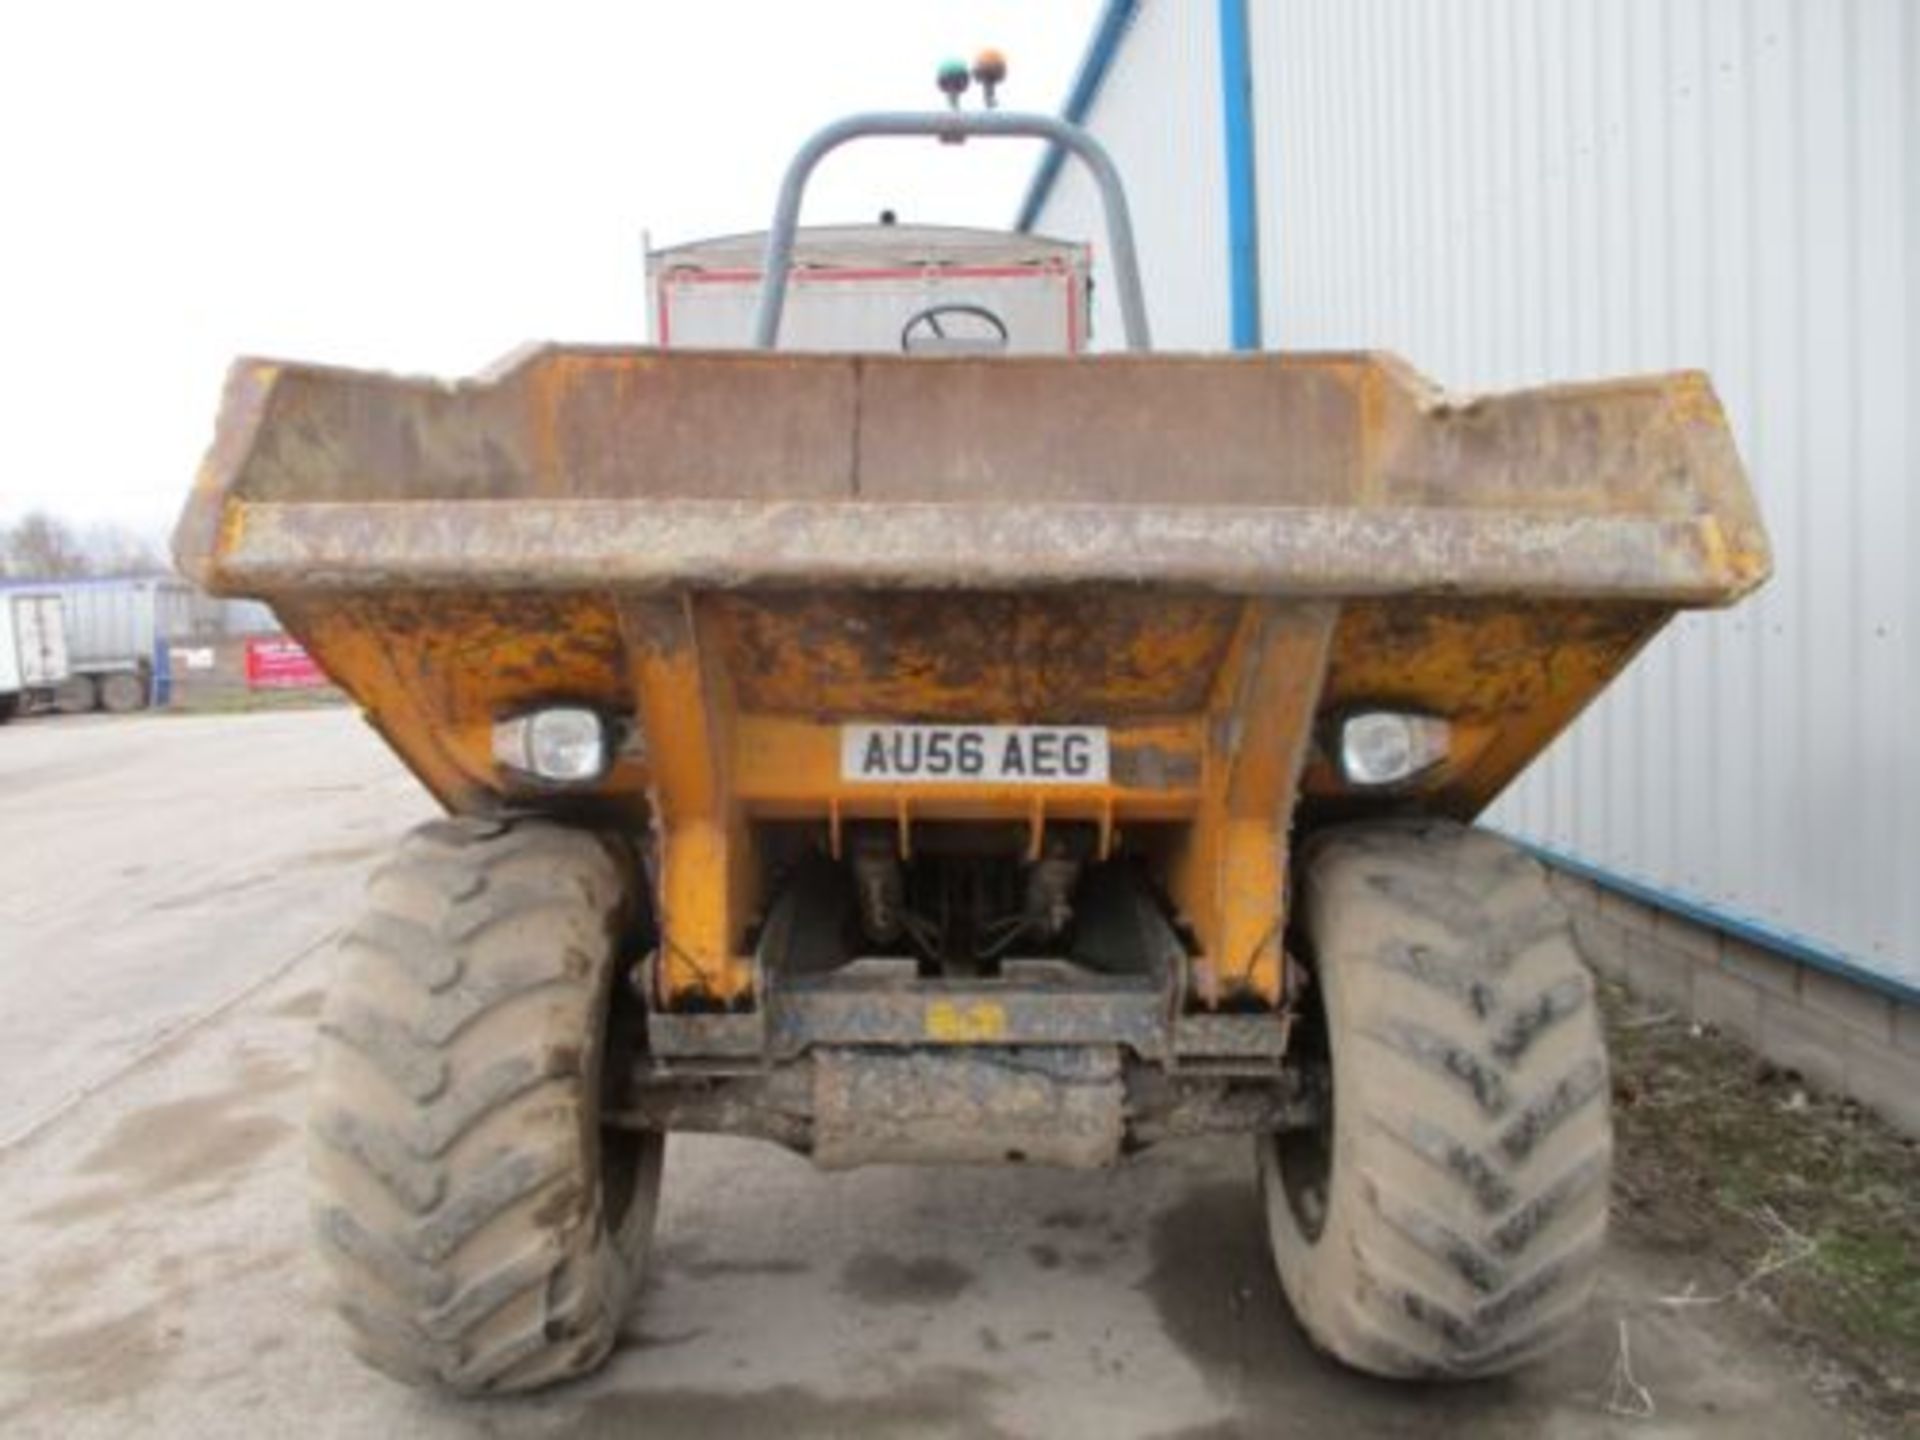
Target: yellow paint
{"type": "Point", "coordinates": [979, 1022]}
{"type": "Point", "coordinates": [1230, 879]}
{"type": "Point", "coordinates": [705, 860]}
{"type": "Point", "coordinates": [1510, 677]}
{"type": "Point", "coordinates": [1218, 704]}
{"type": "Point", "coordinates": [1120, 655]}
{"type": "Point", "coordinates": [732, 730]}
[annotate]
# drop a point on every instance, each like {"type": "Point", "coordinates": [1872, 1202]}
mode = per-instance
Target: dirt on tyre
{"type": "Point", "coordinates": [1447, 1219]}
{"type": "Point", "coordinates": [482, 1231]}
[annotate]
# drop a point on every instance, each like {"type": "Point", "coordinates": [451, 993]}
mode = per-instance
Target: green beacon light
{"type": "Point", "coordinates": [953, 78]}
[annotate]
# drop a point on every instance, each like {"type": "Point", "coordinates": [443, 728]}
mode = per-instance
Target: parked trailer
{"type": "Point", "coordinates": [118, 635]}
{"type": "Point", "coordinates": [33, 649]}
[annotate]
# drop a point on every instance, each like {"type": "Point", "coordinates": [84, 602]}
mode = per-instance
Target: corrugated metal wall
{"type": "Point", "coordinates": [1511, 191]}
{"type": "Point", "coordinates": [1159, 113]}
{"type": "Point", "coordinates": [1506, 191]}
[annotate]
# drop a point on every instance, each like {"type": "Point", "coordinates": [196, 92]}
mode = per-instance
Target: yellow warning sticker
{"type": "Point", "coordinates": [972, 1023]}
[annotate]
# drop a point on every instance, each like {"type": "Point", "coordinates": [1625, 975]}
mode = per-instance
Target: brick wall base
{"type": "Point", "coordinates": [1840, 1036]}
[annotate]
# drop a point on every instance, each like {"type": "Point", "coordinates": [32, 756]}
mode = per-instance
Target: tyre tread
{"type": "Point", "coordinates": [1477, 1137]}
{"type": "Point", "coordinates": [461, 1232]}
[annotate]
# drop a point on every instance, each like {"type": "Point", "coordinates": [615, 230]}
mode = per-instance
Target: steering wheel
{"type": "Point", "coordinates": [927, 323]}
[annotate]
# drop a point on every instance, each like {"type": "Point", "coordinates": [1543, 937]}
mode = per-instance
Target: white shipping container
{"type": "Point", "coordinates": [33, 644]}
{"type": "Point", "coordinates": [121, 622]}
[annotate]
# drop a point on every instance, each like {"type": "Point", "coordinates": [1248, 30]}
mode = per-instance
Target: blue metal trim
{"type": "Point", "coordinates": [162, 694]}
{"type": "Point", "coordinates": [1797, 948]}
{"type": "Point", "coordinates": [102, 582]}
{"type": "Point", "coordinates": [1243, 220]}
{"type": "Point", "coordinates": [1107, 35]}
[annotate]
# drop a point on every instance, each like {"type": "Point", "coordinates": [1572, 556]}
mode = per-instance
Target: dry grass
{"type": "Point", "coordinates": [1803, 1208]}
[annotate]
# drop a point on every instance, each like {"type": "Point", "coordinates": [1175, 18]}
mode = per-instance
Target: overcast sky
{"type": "Point", "coordinates": [416, 186]}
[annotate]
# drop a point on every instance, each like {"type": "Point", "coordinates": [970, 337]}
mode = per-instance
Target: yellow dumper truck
{"type": "Point", "coordinates": [962, 756]}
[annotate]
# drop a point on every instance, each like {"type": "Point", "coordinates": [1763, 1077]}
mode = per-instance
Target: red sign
{"type": "Point", "coordinates": [277, 663]}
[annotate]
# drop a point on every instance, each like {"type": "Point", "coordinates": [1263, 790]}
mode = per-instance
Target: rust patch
{"type": "Point", "coordinates": [1067, 657]}
{"type": "Point", "coordinates": [1154, 767]}
{"type": "Point", "coordinates": [1511, 677]}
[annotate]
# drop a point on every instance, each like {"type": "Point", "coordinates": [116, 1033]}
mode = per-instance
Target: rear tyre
{"type": "Point", "coordinates": [1447, 1220]}
{"type": "Point", "coordinates": [483, 1232]}
{"type": "Point", "coordinates": [123, 692]}
{"type": "Point", "coordinates": [76, 695]}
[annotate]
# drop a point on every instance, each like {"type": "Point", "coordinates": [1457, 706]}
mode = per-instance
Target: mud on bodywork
{"type": "Point", "coordinates": [1212, 557]}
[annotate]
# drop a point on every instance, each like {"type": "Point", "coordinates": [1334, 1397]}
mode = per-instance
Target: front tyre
{"type": "Point", "coordinates": [1447, 1219]}
{"type": "Point", "coordinates": [483, 1232]}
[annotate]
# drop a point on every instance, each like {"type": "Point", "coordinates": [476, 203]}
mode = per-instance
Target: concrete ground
{"type": "Point", "coordinates": [168, 887]}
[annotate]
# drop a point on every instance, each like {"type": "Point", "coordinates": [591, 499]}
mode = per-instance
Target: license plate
{"type": "Point", "coordinates": [974, 754]}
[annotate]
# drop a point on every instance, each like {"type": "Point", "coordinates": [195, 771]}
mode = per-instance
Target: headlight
{"type": "Point", "coordinates": [1384, 747]}
{"type": "Point", "coordinates": [564, 745]}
